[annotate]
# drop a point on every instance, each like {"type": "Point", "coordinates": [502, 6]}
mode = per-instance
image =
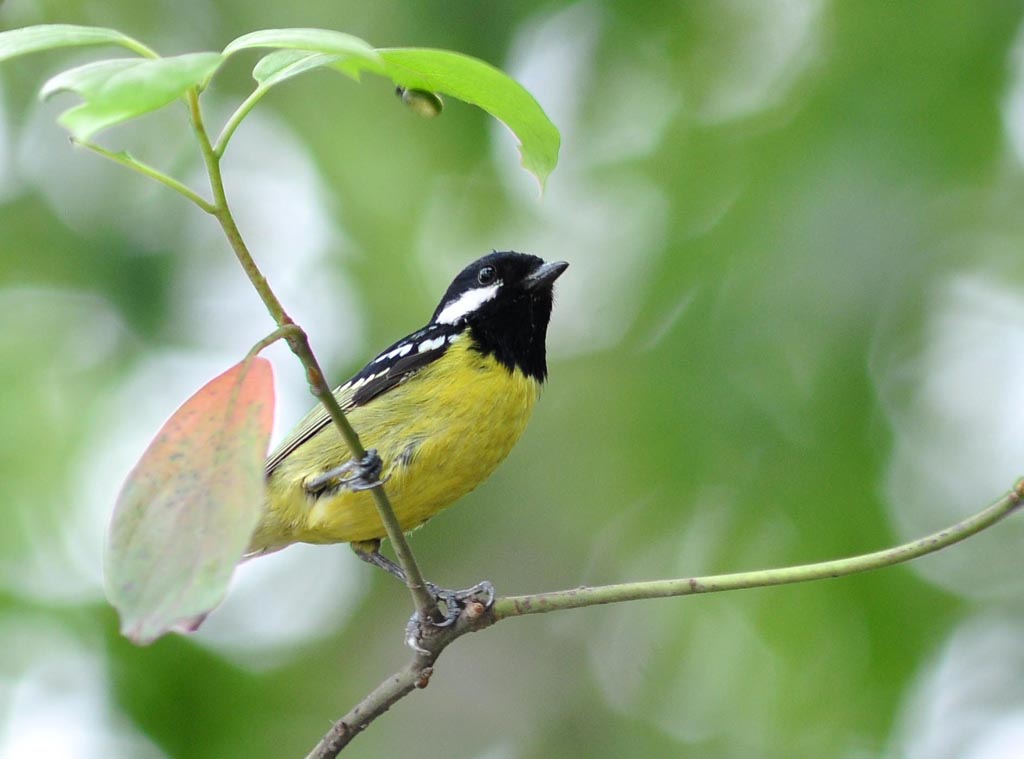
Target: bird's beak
{"type": "Point", "coordinates": [545, 274]}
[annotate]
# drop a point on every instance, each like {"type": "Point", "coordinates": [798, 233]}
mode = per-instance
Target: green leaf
{"type": "Point", "coordinates": [311, 40]}
{"type": "Point", "coordinates": [478, 83]}
{"type": "Point", "coordinates": [121, 89]}
{"type": "Point", "coordinates": [34, 39]}
{"type": "Point", "coordinates": [300, 50]}
{"type": "Point", "coordinates": [415, 69]}
{"type": "Point", "coordinates": [281, 65]}
{"type": "Point", "coordinates": [187, 511]}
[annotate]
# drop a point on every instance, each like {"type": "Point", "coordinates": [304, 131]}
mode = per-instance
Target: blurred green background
{"type": "Point", "coordinates": [793, 330]}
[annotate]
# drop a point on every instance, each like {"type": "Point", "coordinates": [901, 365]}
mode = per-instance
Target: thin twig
{"type": "Point", "coordinates": [538, 603]}
{"type": "Point", "coordinates": [298, 341]}
{"type": "Point", "coordinates": [414, 675]}
{"type": "Point", "coordinates": [286, 332]}
{"type": "Point", "coordinates": [405, 680]}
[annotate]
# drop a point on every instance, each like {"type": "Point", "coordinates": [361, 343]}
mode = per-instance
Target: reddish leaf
{"type": "Point", "coordinates": [186, 512]}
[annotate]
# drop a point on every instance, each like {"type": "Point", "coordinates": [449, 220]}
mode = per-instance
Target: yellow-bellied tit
{"type": "Point", "coordinates": [441, 407]}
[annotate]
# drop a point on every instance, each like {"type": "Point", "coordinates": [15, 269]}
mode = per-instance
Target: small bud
{"type": "Point", "coordinates": [423, 103]}
{"type": "Point", "coordinates": [424, 680]}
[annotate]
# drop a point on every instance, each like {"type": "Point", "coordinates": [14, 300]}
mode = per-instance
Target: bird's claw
{"type": "Point", "coordinates": [454, 602]}
{"type": "Point", "coordinates": [354, 474]}
{"type": "Point", "coordinates": [415, 632]}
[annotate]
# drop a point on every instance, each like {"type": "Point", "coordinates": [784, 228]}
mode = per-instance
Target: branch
{"type": "Point", "coordinates": [416, 674]}
{"type": "Point", "coordinates": [475, 617]}
{"type": "Point", "coordinates": [298, 341]}
{"type": "Point", "coordinates": [515, 606]}
{"type": "Point", "coordinates": [286, 332]}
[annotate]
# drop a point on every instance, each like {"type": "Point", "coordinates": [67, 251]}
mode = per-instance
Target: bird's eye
{"type": "Point", "coordinates": [486, 275]}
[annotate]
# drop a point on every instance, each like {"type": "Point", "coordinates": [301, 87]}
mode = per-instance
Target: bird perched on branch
{"type": "Point", "coordinates": [441, 407]}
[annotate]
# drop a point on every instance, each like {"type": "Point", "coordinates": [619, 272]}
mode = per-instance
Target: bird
{"type": "Point", "coordinates": [441, 409]}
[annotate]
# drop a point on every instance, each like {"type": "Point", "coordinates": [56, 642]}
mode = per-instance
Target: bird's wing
{"type": "Point", "coordinates": [391, 367]}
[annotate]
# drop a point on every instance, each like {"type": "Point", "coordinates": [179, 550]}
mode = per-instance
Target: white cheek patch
{"type": "Point", "coordinates": [467, 303]}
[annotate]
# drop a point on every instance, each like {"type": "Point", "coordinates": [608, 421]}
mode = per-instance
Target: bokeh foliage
{"type": "Point", "coordinates": [792, 330]}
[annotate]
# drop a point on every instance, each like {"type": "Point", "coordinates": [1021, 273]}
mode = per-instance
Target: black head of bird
{"type": "Point", "coordinates": [505, 300]}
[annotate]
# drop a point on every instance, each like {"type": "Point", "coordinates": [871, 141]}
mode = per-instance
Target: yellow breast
{"type": "Point", "coordinates": [439, 435]}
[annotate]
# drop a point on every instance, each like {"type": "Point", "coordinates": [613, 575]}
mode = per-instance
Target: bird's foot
{"type": "Point", "coordinates": [354, 474]}
{"type": "Point", "coordinates": [451, 604]}
{"type": "Point", "coordinates": [455, 601]}
{"type": "Point", "coordinates": [473, 601]}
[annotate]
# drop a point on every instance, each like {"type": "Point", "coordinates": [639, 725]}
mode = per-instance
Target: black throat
{"type": "Point", "coordinates": [515, 335]}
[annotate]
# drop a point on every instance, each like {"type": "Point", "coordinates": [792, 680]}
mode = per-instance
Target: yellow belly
{"type": "Point", "coordinates": [439, 435]}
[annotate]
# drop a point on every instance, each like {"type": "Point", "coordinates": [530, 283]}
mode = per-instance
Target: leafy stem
{"type": "Point", "coordinates": [128, 161]}
{"type": "Point", "coordinates": [236, 118]}
{"type": "Point", "coordinates": [298, 341]}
